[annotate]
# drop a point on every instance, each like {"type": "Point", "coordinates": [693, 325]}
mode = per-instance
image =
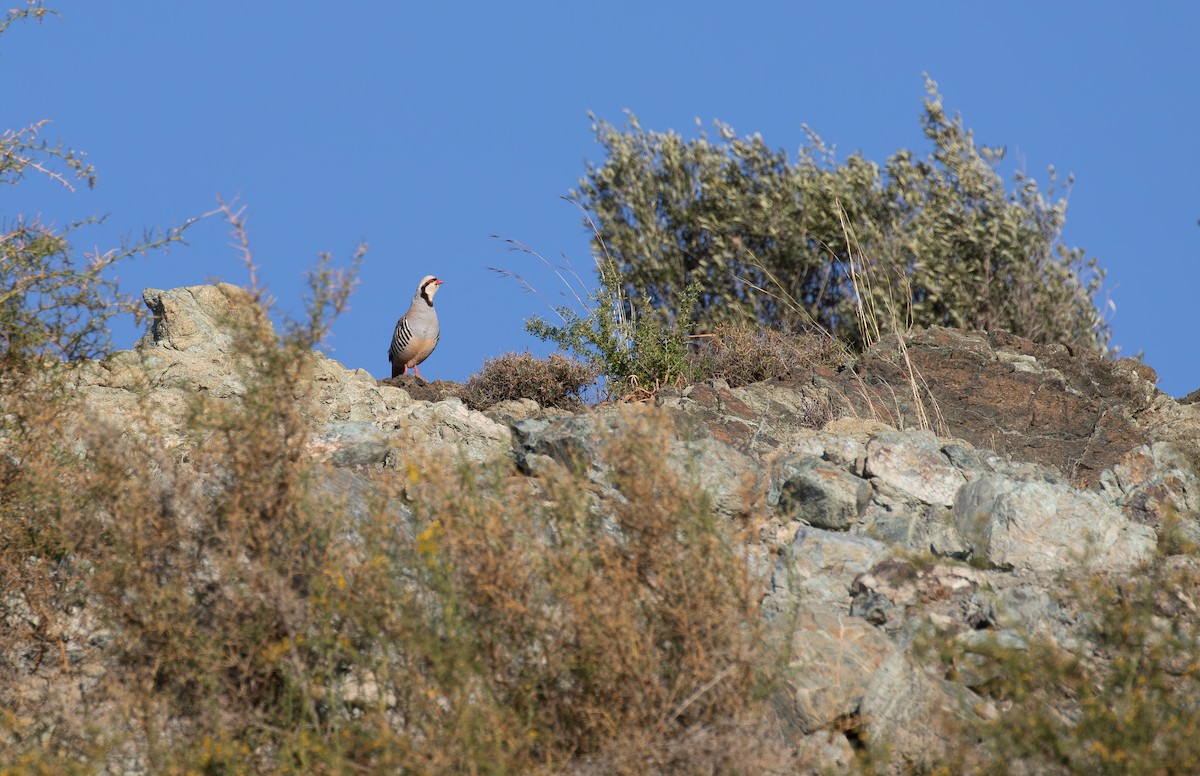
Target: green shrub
{"type": "Point", "coordinates": [636, 350]}
{"type": "Point", "coordinates": [771, 240]}
{"type": "Point", "coordinates": [551, 382]}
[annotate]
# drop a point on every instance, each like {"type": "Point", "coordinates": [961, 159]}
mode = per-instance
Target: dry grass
{"type": "Point", "coordinates": [742, 355]}
{"type": "Point", "coordinates": [586, 641]}
{"type": "Point", "coordinates": [895, 317]}
{"type": "Point", "coordinates": [254, 624]}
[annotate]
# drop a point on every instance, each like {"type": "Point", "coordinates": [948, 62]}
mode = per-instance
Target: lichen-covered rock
{"type": "Point", "coordinates": [198, 318]}
{"type": "Point", "coordinates": [574, 442]}
{"type": "Point", "coordinates": [420, 430]}
{"type": "Point", "coordinates": [908, 713]}
{"type": "Point", "coordinates": [896, 518]}
{"type": "Point", "coordinates": [808, 489]}
{"type": "Point", "coordinates": [1074, 411]}
{"type": "Point", "coordinates": [755, 420]}
{"type": "Point", "coordinates": [340, 394]}
{"type": "Point", "coordinates": [823, 752]}
{"type": "Point", "coordinates": [513, 410]}
{"type": "Point", "coordinates": [349, 444]}
{"type": "Point", "coordinates": [883, 595]}
{"type": "Point", "coordinates": [914, 463]}
{"type": "Point", "coordinates": [1151, 482]}
{"type": "Point", "coordinates": [190, 351]}
{"type": "Point", "coordinates": [835, 658]}
{"type": "Point", "coordinates": [1045, 526]}
{"type": "Point", "coordinates": [818, 569]}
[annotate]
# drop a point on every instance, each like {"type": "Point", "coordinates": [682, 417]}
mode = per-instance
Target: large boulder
{"type": "Point", "coordinates": [818, 568]}
{"type": "Point", "coordinates": [196, 318]}
{"type": "Point", "coordinates": [1044, 525]}
{"type": "Point", "coordinates": [913, 462]}
{"type": "Point", "coordinates": [834, 659]}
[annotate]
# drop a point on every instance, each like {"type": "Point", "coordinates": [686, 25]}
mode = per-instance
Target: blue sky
{"type": "Point", "coordinates": [422, 129]}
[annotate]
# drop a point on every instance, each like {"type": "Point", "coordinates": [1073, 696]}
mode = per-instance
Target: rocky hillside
{"type": "Point", "coordinates": [906, 518]}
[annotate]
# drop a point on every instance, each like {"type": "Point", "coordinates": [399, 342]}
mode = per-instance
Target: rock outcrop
{"type": "Point", "coordinates": [1074, 412]}
{"type": "Point", "coordinates": [934, 485]}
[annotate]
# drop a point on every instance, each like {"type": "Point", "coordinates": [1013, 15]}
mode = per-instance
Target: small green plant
{"type": "Point", "coordinates": [552, 382]}
{"type": "Point", "coordinates": [634, 346]}
{"type": "Point", "coordinates": [637, 347]}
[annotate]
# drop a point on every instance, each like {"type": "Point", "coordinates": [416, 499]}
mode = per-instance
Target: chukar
{"type": "Point", "coordinates": [417, 331]}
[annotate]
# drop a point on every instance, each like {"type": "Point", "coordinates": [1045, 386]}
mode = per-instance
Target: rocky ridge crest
{"type": "Point", "coordinates": [866, 526]}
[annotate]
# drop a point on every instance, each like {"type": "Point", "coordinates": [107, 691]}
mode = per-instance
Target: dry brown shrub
{"type": "Point", "coordinates": [630, 641]}
{"type": "Point", "coordinates": [555, 381]}
{"type": "Point", "coordinates": [742, 355]}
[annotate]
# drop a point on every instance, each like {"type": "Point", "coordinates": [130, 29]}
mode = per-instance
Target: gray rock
{"type": "Point", "coordinates": [1068, 408]}
{"type": "Point", "coordinates": [568, 441]}
{"type": "Point", "coordinates": [355, 492]}
{"type": "Point", "coordinates": [786, 468]}
{"type": "Point", "coordinates": [199, 318]}
{"type": "Point", "coordinates": [1025, 608]}
{"type": "Point", "coordinates": [512, 410]}
{"type": "Point", "coordinates": [846, 438]}
{"type": "Point", "coordinates": [340, 394]}
{"type": "Point", "coordinates": [821, 495]}
{"type": "Point", "coordinates": [574, 442]}
{"type": "Point", "coordinates": [884, 594]}
{"type": "Point", "coordinates": [1156, 483]}
{"type": "Point", "coordinates": [357, 496]}
{"type": "Point", "coordinates": [727, 476]}
{"type": "Point", "coordinates": [901, 708]}
{"type": "Point", "coordinates": [823, 753]}
{"type": "Point", "coordinates": [913, 462]}
{"type": "Point", "coordinates": [818, 568]}
{"type": "Point", "coordinates": [1021, 601]}
{"type": "Point", "coordinates": [1044, 526]}
{"type": "Point", "coordinates": [835, 658]}
{"type": "Point", "coordinates": [895, 517]}
{"type": "Point", "coordinates": [786, 414]}
{"type": "Point", "coordinates": [979, 658]}
{"type": "Point", "coordinates": [446, 427]}
{"type": "Point", "coordinates": [350, 444]}
{"type": "Point", "coordinates": [189, 352]}
{"type": "Point", "coordinates": [757, 420]}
